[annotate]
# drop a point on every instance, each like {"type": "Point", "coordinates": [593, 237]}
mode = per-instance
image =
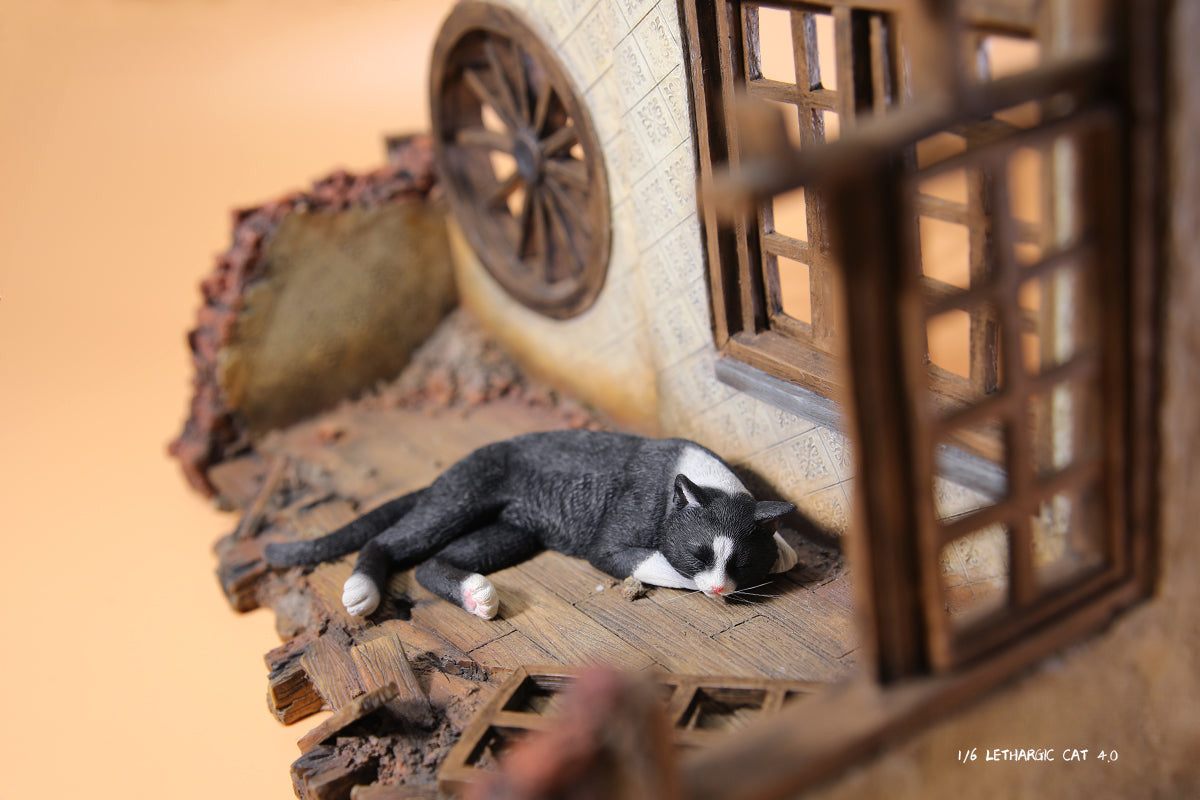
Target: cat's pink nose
{"type": "Point", "coordinates": [717, 590]}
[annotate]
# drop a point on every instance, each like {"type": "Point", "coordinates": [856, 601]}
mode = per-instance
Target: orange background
{"type": "Point", "coordinates": [128, 130]}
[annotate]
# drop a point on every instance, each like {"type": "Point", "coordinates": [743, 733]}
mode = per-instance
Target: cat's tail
{"type": "Point", "coordinates": [346, 539]}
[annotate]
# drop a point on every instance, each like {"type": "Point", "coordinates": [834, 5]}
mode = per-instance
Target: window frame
{"type": "Point", "coordinates": [750, 325]}
{"type": "Point", "coordinates": [896, 550]}
{"type": "Point", "coordinates": [829, 733]}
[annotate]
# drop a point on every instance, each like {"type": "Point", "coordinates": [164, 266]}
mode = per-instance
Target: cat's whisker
{"type": "Point", "coordinates": [759, 586]}
{"type": "Point", "coordinates": [678, 596]}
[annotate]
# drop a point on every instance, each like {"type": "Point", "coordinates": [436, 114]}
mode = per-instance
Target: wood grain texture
{"type": "Point", "coordinates": [514, 648]}
{"type": "Point", "coordinates": [664, 637]}
{"type": "Point", "coordinates": [329, 666]}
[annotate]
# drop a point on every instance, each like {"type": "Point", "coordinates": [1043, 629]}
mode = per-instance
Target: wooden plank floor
{"type": "Point", "coordinates": [555, 610]}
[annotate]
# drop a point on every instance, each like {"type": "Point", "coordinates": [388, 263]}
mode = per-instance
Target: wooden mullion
{"type": "Point", "coordinates": [776, 91]}
{"type": "Point", "coordinates": [702, 50]}
{"type": "Point", "coordinates": [751, 52]}
{"type": "Point", "coordinates": [942, 209]}
{"type": "Point", "coordinates": [984, 292]}
{"type": "Point", "coordinates": [1146, 260]}
{"type": "Point", "coordinates": [804, 51]}
{"type": "Point", "coordinates": [1001, 630]}
{"type": "Point", "coordinates": [882, 89]}
{"type": "Point", "coordinates": [808, 77]}
{"type": "Point", "coordinates": [984, 331]}
{"type": "Point", "coordinates": [729, 29]}
{"type": "Point", "coordinates": [1072, 479]}
{"type": "Point", "coordinates": [936, 292]}
{"type": "Point", "coordinates": [1019, 456]}
{"type": "Point", "coordinates": [1003, 402]}
{"type": "Point", "coordinates": [780, 244]}
{"type": "Point", "coordinates": [843, 36]}
{"type": "Point", "coordinates": [1113, 276]}
{"type": "Point", "coordinates": [824, 99]}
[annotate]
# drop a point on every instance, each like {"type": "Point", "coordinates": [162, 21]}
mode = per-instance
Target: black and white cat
{"type": "Point", "coordinates": [666, 511]}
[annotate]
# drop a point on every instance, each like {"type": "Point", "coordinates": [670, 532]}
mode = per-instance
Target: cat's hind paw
{"type": "Point", "coordinates": [360, 595]}
{"type": "Point", "coordinates": [786, 557]}
{"type": "Point", "coordinates": [479, 596]}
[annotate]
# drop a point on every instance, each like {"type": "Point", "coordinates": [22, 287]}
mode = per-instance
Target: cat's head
{"type": "Point", "coordinates": [719, 540]}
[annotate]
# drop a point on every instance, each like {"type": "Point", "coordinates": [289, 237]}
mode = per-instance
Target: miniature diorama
{"type": "Point", "coordinates": [796, 361]}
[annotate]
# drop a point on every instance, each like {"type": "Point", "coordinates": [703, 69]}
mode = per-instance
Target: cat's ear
{"type": "Point", "coordinates": [686, 492]}
{"type": "Point", "coordinates": [772, 509]}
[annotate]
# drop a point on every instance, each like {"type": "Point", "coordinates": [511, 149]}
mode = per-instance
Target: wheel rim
{"type": "Point", "coordinates": [520, 160]}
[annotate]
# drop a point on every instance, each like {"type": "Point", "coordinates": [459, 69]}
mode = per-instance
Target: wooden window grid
{"type": "Point", "coordinates": [750, 259]}
{"type": "Point", "coordinates": [896, 409]}
{"type": "Point", "coordinates": [1087, 252]}
{"type": "Point", "coordinates": [699, 710]}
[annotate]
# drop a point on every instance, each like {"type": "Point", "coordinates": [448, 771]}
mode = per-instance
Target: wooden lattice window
{"type": "Point", "coordinates": [826, 66]}
{"type": "Point", "coordinates": [822, 66]}
{"type": "Point", "coordinates": [1029, 157]}
{"type": "Point", "coordinates": [1063, 538]}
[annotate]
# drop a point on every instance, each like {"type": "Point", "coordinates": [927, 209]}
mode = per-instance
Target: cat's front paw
{"type": "Point", "coordinates": [480, 597]}
{"type": "Point", "coordinates": [360, 595]}
{"type": "Point", "coordinates": [785, 557]}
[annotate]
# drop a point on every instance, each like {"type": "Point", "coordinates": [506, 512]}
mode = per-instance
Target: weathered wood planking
{"type": "Point", "coordinates": [823, 625]}
{"type": "Point", "coordinates": [571, 635]}
{"type": "Point", "coordinates": [777, 653]}
{"type": "Point", "coordinates": [382, 662]}
{"type": "Point", "coordinates": [572, 579]}
{"type": "Point", "coordinates": [663, 636]}
{"type": "Point", "coordinates": [416, 641]}
{"type": "Point", "coordinates": [511, 650]}
{"type": "Point", "coordinates": [704, 613]}
{"type": "Point", "coordinates": [328, 664]}
{"type": "Point", "coordinates": [461, 628]}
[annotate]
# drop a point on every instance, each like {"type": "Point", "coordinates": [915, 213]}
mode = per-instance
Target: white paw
{"type": "Point", "coordinates": [479, 596]}
{"type": "Point", "coordinates": [786, 557]}
{"type": "Point", "coordinates": [360, 595]}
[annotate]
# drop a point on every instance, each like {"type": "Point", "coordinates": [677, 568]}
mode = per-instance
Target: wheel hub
{"type": "Point", "coordinates": [528, 156]}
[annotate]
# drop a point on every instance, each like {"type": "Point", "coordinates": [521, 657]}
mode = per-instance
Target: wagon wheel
{"type": "Point", "coordinates": [520, 160]}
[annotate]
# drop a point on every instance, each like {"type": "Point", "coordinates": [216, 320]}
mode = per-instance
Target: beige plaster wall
{"type": "Point", "coordinates": [644, 352]}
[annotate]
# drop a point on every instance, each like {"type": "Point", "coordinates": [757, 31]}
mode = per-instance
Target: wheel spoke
{"type": "Point", "coordinates": [568, 170]}
{"type": "Point", "coordinates": [561, 139]}
{"type": "Point", "coordinates": [521, 82]}
{"type": "Point", "coordinates": [504, 80]}
{"type": "Point", "coordinates": [503, 189]}
{"type": "Point", "coordinates": [560, 224]}
{"type": "Point", "coordinates": [567, 203]}
{"type": "Point", "coordinates": [545, 92]}
{"type": "Point", "coordinates": [541, 236]}
{"type": "Point", "coordinates": [526, 223]}
{"type": "Point", "coordinates": [484, 138]}
{"type": "Point", "coordinates": [486, 96]}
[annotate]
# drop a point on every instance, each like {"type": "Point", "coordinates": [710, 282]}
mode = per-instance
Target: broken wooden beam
{"type": "Point", "coordinates": [348, 715]}
{"type": "Point", "coordinates": [330, 773]}
{"type": "Point", "coordinates": [382, 661]}
{"type": "Point", "coordinates": [331, 669]}
{"type": "Point", "coordinates": [290, 694]}
{"type": "Point", "coordinates": [239, 571]}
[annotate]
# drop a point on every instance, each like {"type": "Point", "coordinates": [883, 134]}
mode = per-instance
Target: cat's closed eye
{"type": "Point", "coordinates": [703, 553]}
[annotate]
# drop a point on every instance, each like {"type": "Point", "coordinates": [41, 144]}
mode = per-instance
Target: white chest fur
{"type": "Point", "coordinates": [705, 470]}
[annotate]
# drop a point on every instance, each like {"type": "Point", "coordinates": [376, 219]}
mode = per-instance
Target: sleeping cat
{"type": "Point", "coordinates": [667, 512]}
